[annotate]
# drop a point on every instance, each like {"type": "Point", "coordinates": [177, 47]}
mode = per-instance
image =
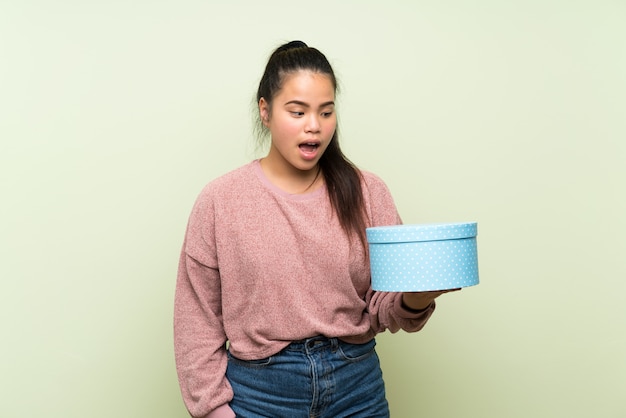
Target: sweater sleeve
{"type": "Point", "coordinates": [199, 337]}
{"type": "Point", "coordinates": [385, 308]}
{"type": "Point", "coordinates": [387, 313]}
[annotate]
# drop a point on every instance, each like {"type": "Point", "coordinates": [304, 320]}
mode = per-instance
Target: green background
{"type": "Point", "coordinates": [114, 114]}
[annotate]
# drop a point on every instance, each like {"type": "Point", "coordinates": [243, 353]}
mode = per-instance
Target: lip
{"type": "Point", "coordinates": [310, 141]}
{"type": "Point", "coordinates": [309, 149]}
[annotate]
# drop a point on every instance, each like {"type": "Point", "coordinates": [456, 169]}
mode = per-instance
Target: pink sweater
{"type": "Point", "coordinates": [261, 268]}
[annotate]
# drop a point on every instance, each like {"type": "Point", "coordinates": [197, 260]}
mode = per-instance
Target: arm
{"type": "Point", "coordinates": [199, 337]}
{"type": "Point", "coordinates": [417, 301]}
{"type": "Point", "coordinates": [199, 340]}
{"type": "Point", "coordinates": [410, 310]}
{"type": "Point", "coordinates": [388, 311]}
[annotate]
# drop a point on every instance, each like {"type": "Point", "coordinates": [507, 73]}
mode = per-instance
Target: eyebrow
{"type": "Point", "coordinates": [300, 103]}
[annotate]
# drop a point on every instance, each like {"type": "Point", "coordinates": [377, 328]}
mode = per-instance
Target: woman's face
{"type": "Point", "coordinates": [301, 121]}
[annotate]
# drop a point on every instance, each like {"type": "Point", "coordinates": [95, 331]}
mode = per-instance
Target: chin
{"type": "Point", "coordinates": [306, 165]}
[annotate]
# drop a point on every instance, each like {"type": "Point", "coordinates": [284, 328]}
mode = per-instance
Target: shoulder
{"type": "Point", "coordinates": [227, 183]}
{"type": "Point", "coordinates": [379, 202]}
{"type": "Point", "coordinates": [373, 184]}
{"type": "Point", "coordinates": [369, 177]}
{"type": "Point", "coordinates": [226, 188]}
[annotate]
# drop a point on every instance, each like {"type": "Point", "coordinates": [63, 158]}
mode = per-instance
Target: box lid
{"type": "Point", "coordinates": [421, 232]}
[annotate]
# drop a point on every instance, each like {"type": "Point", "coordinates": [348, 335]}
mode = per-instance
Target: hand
{"type": "Point", "coordinates": [421, 300]}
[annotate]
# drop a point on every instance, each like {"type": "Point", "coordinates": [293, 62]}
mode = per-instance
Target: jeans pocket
{"type": "Point", "coordinates": [356, 352]}
{"type": "Point", "coordinates": [253, 364]}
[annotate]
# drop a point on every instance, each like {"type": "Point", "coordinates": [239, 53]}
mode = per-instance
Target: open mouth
{"type": "Point", "coordinates": [309, 146]}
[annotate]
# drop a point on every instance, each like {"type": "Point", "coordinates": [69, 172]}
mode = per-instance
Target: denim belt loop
{"type": "Point", "coordinates": [334, 344]}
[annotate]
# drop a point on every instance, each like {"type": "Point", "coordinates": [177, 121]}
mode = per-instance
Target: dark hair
{"type": "Point", "coordinates": [342, 177]}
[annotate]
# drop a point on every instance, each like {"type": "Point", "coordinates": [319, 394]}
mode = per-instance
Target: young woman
{"type": "Point", "coordinates": [274, 311]}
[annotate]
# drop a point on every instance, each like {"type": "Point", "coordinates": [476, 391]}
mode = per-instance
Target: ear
{"type": "Point", "coordinates": [264, 111]}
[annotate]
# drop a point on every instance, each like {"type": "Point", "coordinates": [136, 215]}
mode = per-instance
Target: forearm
{"type": "Point", "coordinates": [199, 340]}
{"type": "Point", "coordinates": [418, 301]}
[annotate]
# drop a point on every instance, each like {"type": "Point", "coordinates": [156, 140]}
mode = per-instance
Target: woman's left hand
{"type": "Point", "coordinates": [421, 300]}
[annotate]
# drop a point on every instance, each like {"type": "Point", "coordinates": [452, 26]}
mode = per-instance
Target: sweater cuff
{"type": "Point", "coordinates": [222, 411]}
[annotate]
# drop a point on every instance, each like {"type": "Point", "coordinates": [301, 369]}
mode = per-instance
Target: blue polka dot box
{"type": "Point", "coordinates": [414, 258]}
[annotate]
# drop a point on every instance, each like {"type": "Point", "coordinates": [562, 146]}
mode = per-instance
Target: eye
{"type": "Point", "coordinates": [296, 113]}
{"type": "Point", "coordinates": [327, 114]}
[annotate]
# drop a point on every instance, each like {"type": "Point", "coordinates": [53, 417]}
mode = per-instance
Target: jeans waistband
{"type": "Point", "coordinates": [317, 342]}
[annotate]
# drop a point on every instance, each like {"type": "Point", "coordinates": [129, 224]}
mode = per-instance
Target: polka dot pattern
{"type": "Point", "coordinates": [410, 258]}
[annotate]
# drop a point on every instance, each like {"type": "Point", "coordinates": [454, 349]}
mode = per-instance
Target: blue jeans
{"type": "Point", "coordinates": [317, 377]}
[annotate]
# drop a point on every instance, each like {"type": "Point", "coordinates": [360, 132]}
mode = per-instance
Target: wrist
{"type": "Point", "coordinates": [415, 302]}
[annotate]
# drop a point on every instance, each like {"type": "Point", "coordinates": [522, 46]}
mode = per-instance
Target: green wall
{"type": "Point", "coordinates": [113, 115]}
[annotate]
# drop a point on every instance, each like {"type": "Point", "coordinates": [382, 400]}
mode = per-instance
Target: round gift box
{"type": "Point", "coordinates": [415, 258]}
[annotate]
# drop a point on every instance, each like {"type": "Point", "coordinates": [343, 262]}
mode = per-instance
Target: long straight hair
{"type": "Point", "coordinates": [342, 177]}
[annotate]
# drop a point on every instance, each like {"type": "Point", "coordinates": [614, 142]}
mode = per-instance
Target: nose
{"type": "Point", "coordinates": [312, 123]}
